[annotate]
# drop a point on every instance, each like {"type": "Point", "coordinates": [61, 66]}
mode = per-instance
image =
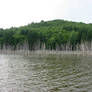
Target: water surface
{"type": "Point", "coordinates": [50, 73]}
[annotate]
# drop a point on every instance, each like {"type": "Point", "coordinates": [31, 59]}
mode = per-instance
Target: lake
{"type": "Point", "coordinates": [45, 73]}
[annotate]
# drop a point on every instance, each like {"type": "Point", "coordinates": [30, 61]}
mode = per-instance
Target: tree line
{"type": "Point", "coordinates": [48, 35]}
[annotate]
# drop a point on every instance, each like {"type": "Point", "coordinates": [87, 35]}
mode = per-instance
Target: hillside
{"type": "Point", "coordinates": [48, 35]}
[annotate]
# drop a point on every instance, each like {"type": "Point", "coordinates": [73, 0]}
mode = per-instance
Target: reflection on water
{"type": "Point", "coordinates": [50, 73]}
{"type": "Point", "coordinates": [3, 73]}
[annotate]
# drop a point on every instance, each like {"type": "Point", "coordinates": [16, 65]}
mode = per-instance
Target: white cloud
{"type": "Point", "coordinates": [79, 10]}
{"type": "Point", "coordinates": [21, 12]}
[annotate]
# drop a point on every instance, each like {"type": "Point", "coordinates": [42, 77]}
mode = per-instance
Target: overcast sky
{"type": "Point", "coordinates": [21, 12]}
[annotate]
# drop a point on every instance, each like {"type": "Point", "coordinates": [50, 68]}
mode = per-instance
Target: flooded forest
{"type": "Point", "coordinates": [57, 35]}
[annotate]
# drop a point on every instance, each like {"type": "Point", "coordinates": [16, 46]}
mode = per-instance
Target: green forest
{"type": "Point", "coordinates": [48, 35]}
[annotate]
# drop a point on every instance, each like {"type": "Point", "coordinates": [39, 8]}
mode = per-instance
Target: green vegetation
{"type": "Point", "coordinates": [49, 35]}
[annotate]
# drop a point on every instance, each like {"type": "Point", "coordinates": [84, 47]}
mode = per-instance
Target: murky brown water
{"type": "Point", "coordinates": [50, 73]}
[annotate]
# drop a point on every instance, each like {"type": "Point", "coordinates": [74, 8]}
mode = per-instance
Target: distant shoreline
{"type": "Point", "coordinates": [44, 52]}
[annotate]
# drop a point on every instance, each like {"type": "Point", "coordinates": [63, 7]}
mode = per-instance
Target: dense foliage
{"type": "Point", "coordinates": [49, 35]}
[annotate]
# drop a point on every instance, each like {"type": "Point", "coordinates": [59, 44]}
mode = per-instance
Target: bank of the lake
{"type": "Point", "coordinates": [44, 52]}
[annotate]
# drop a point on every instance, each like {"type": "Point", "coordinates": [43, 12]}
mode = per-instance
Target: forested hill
{"type": "Point", "coordinates": [49, 35]}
